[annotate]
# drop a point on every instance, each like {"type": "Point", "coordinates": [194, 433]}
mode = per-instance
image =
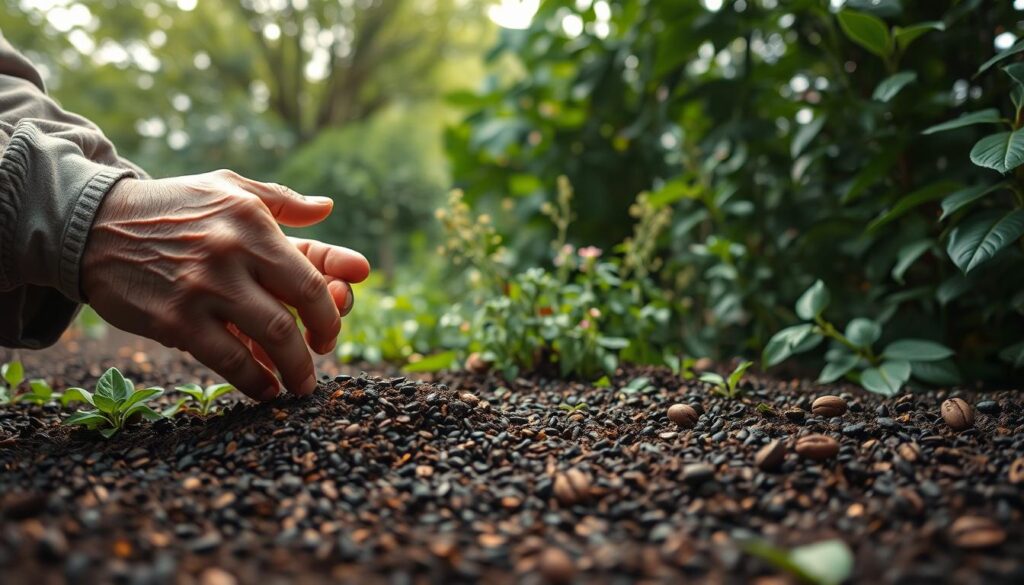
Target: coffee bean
{"type": "Point", "coordinates": [795, 415]}
{"type": "Point", "coordinates": [683, 415]}
{"type": "Point", "coordinates": [771, 456]}
{"type": "Point", "coordinates": [475, 364]}
{"type": "Point", "coordinates": [555, 566]}
{"type": "Point", "coordinates": [817, 447]}
{"type": "Point", "coordinates": [976, 532]}
{"type": "Point", "coordinates": [910, 452]}
{"type": "Point", "coordinates": [1017, 471]}
{"type": "Point", "coordinates": [829, 406]}
{"type": "Point", "coordinates": [572, 487]}
{"type": "Point", "coordinates": [958, 414]}
{"type": "Point", "coordinates": [987, 407]}
{"type": "Point", "coordinates": [216, 576]}
{"type": "Point", "coordinates": [470, 399]}
{"type": "Point", "coordinates": [698, 473]}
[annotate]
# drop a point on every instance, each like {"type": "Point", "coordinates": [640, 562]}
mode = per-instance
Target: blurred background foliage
{"type": "Point", "coordinates": [787, 147]}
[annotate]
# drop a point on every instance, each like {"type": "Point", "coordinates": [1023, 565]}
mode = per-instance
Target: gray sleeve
{"type": "Point", "coordinates": [55, 169]}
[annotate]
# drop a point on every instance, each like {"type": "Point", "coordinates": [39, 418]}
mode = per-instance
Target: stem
{"type": "Point", "coordinates": [829, 330]}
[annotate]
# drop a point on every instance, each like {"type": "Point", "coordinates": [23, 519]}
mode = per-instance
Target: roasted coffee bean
{"type": "Point", "coordinates": [958, 414]}
{"type": "Point", "coordinates": [975, 532]}
{"type": "Point", "coordinates": [817, 447]}
{"type": "Point", "coordinates": [795, 415]}
{"type": "Point", "coordinates": [572, 487]}
{"type": "Point", "coordinates": [829, 406]}
{"type": "Point", "coordinates": [555, 566]}
{"type": "Point", "coordinates": [683, 415]}
{"type": "Point", "coordinates": [698, 473]}
{"type": "Point", "coordinates": [771, 456]}
{"type": "Point", "coordinates": [1017, 471]}
{"type": "Point", "coordinates": [910, 452]}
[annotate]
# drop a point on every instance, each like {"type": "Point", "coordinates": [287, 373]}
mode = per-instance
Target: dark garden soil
{"type": "Point", "coordinates": [384, 479]}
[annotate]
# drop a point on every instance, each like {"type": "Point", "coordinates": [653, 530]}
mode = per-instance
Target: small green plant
{"type": "Point", "coordinates": [204, 397]}
{"type": "Point", "coordinates": [828, 562]}
{"type": "Point", "coordinates": [571, 408]}
{"type": "Point", "coordinates": [728, 387]}
{"type": "Point", "coordinates": [116, 401]}
{"type": "Point", "coordinates": [13, 374]}
{"type": "Point", "coordinates": [40, 392]}
{"type": "Point", "coordinates": [852, 354]}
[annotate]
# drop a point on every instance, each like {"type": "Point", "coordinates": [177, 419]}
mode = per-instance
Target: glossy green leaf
{"type": "Point", "coordinates": [712, 378]}
{"type": "Point", "coordinates": [886, 379]}
{"type": "Point", "coordinates": [814, 300]}
{"type": "Point", "coordinates": [1016, 48]}
{"type": "Point", "coordinates": [891, 86]}
{"type": "Point", "coordinates": [981, 236]}
{"type": "Point", "coordinates": [805, 134]}
{"type": "Point", "coordinates": [863, 332]}
{"type": "Point", "coordinates": [105, 404]}
{"type": "Point", "coordinates": [916, 350]}
{"type": "Point", "coordinates": [112, 385]}
{"type": "Point", "coordinates": [867, 31]}
{"type": "Point", "coordinates": [193, 390]}
{"type": "Point", "coordinates": [737, 374]}
{"type": "Point", "coordinates": [907, 256]}
{"type": "Point", "coordinates": [905, 36]}
{"type": "Point", "coordinates": [217, 390]}
{"type": "Point", "coordinates": [931, 192]}
{"type": "Point", "coordinates": [835, 370]}
{"type": "Point", "coordinates": [789, 341]}
{"type": "Point", "coordinates": [988, 116]}
{"type": "Point", "coordinates": [41, 389]}
{"type": "Point", "coordinates": [77, 394]}
{"type": "Point", "coordinates": [89, 419]}
{"type": "Point", "coordinates": [1002, 152]}
{"type": "Point", "coordinates": [938, 373]}
{"type": "Point", "coordinates": [140, 396]}
{"type": "Point", "coordinates": [828, 562]}
{"type": "Point", "coordinates": [965, 197]}
{"type": "Point", "coordinates": [1016, 72]}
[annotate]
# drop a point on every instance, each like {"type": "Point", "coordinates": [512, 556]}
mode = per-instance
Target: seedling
{"type": "Point", "coordinates": [828, 562]}
{"type": "Point", "coordinates": [40, 392]}
{"type": "Point", "coordinates": [12, 374]}
{"type": "Point", "coordinates": [641, 385]}
{"type": "Point", "coordinates": [571, 408]}
{"type": "Point", "coordinates": [116, 401]}
{"type": "Point", "coordinates": [204, 397]}
{"type": "Point", "coordinates": [728, 387]}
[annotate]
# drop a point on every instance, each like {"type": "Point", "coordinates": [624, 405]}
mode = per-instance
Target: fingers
{"type": "Point", "coordinates": [257, 352]}
{"type": "Point", "coordinates": [273, 328]}
{"type": "Point", "coordinates": [288, 207]}
{"type": "Point", "coordinates": [292, 279]}
{"type": "Point", "coordinates": [225, 354]}
{"type": "Point", "coordinates": [341, 293]}
{"type": "Point", "coordinates": [334, 261]}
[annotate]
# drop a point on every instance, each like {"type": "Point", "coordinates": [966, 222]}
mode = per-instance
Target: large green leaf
{"type": "Point", "coordinates": [886, 379]}
{"type": "Point", "coordinates": [1016, 48]}
{"type": "Point", "coordinates": [112, 385]}
{"type": "Point", "coordinates": [814, 300]}
{"type": "Point", "coordinates": [433, 363]}
{"type": "Point", "coordinates": [1016, 72]}
{"type": "Point", "coordinates": [140, 396]}
{"type": "Point", "coordinates": [1003, 151]}
{"type": "Point", "coordinates": [940, 373]}
{"type": "Point", "coordinates": [907, 255]}
{"type": "Point", "coordinates": [863, 332]}
{"type": "Point", "coordinates": [890, 86]}
{"type": "Point", "coordinates": [838, 368]}
{"type": "Point", "coordinates": [964, 197]}
{"type": "Point", "coordinates": [867, 31]}
{"type": "Point", "coordinates": [988, 116]}
{"type": "Point", "coordinates": [977, 239]}
{"type": "Point", "coordinates": [916, 350]}
{"type": "Point", "coordinates": [805, 135]}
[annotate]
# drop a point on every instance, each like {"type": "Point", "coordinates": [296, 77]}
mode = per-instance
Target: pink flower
{"type": "Point", "coordinates": [590, 252]}
{"type": "Point", "coordinates": [585, 324]}
{"type": "Point", "coordinates": [595, 312]}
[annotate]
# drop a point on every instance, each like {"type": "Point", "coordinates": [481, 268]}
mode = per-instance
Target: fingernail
{"type": "Point", "coordinates": [308, 386]}
{"type": "Point", "coordinates": [350, 299]}
{"type": "Point", "coordinates": [319, 200]}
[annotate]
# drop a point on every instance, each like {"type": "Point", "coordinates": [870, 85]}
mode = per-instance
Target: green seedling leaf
{"type": "Point", "coordinates": [432, 363]}
{"type": "Point", "coordinates": [613, 342]}
{"type": "Point", "coordinates": [805, 135]}
{"type": "Point", "coordinates": [139, 396]}
{"type": "Point", "coordinates": [988, 116]}
{"type": "Point", "coordinates": [112, 385]}
{"type": "Point", "coordinates": [174, 409]}
{"type": "Point", "coordinates": [789, 341]}
{"type": "Point", "coordinates": [863, 332]}
{"type": "Point", "coordinates": [77, 395]}
{"type": "Point", "coordinates": [107, 433]}
{"type": "Point", "coordinates": [737, 375]}
{"type": "Point", "coordinates": [713, 379]}
{"type": "Point", "coordinates": [965, 197]}
{"type": "Point", "coordinates": [978, 238]}
{"type": "Point", "coordinates": [603, 382]}
{"type": "Point", "coordinates": [89, 419]}
{"type": "Point", "coordinates": [106, 405]}
{"type": "Point", "coordinates": [217, 390]}
{"type": "Point", "coordinates": [838, 368]}
{"type": "Point", "coordinates": [890, 86]}
{"type": "Point", "coordinates": [867, 31]}
{"type": "Point", "coordinates": [1002, 152]}
{"type": "Point", "coordinates": [811, 304]}
{"type": "Point", "coordinates": [886, 379]}
{"type": "Point", "coordinates": [13, 373]}
{"type": "Point", "coordinates": [916, 350]}
{"type": "Point", "coordinates": [829, 562]}
{"type": "Point", "coordinates": [193, 390]}
{"type": "Point", "coordinates": [145, 411]}
{"type": "Point", "coordinates": [1016, 48]}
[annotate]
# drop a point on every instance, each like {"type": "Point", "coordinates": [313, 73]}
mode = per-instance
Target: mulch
{"type": "Point", "coordinates": [471, 478]}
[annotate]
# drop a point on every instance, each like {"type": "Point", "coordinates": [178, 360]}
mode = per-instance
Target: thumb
{"type": "Point", "coordinates": [288, 207]}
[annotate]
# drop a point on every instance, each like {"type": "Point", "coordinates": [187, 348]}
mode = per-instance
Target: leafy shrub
{"type": "Point", "coordinates": [115, 402]}
{"type": "Point", "coordinates": [794, 142]}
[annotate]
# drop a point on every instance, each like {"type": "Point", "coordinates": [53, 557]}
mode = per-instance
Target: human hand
{"type": "Point", "coordinates": [199, 263]}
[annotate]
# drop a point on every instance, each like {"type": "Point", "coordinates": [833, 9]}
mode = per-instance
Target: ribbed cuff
{"type": "Point", "coordinates": [76, 232]}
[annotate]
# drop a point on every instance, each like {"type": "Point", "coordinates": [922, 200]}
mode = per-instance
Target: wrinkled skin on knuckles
{"type": "Point", "coordinates": [200, 263]}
